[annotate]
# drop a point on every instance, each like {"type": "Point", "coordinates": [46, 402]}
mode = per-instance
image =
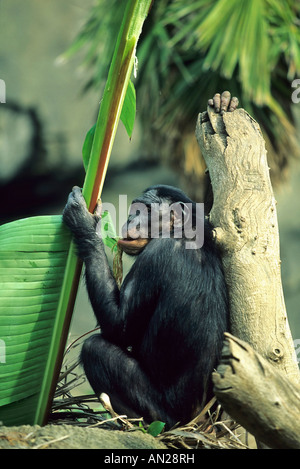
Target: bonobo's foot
{"type": "Point", "coordinates": [76, 215]}
{"type": "Point", "coordinates": [224, 102]}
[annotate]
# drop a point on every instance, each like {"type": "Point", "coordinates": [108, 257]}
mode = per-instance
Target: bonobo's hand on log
{"type": "Point", "coordinates": [223, 102]}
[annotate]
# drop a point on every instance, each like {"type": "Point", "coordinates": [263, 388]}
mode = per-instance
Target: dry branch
{"type": "Point", "coordinates": [259, 397]}
{"type": "Point", "coordinates": [245, 221]}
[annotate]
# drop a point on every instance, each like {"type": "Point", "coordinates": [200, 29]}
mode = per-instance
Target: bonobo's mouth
{"type": "Point", "coordinates": [132, 246]}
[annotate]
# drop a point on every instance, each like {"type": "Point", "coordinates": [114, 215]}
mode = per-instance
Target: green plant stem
{"type": "Point", "coordinates": [106, 127]}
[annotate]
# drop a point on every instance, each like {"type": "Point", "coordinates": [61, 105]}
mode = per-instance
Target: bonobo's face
{"type": "Point", "coordinates": [158, 212]}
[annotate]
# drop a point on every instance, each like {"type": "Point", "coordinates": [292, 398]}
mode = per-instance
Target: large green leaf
{"type": "Point", "coordinates": [33, 253]}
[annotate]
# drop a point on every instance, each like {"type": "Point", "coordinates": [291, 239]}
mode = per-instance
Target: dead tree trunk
{"type": "Point", "coordinates": [261, 399]}
{"type": "Point", "coordinates": [246, 230]}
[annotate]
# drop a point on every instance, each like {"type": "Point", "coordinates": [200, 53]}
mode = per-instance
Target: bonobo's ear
{"type": "Point", "coordinates": [181, 214]}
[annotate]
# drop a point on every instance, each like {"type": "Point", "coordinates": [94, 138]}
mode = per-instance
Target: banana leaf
{"type": "Point", "coordinates": [33, 254]}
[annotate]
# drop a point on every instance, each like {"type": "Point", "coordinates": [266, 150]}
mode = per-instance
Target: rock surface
{"type": "Point", "coordinates": [72, 437]}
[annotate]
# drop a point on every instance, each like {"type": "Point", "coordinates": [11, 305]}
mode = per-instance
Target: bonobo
{"type": "Point", "coordinates": [162, 332]}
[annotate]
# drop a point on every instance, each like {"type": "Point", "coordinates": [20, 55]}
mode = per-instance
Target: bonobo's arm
{"type": "Point", "coordinates": [101, 285]}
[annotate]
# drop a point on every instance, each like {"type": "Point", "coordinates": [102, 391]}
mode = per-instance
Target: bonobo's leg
{"type": "Point", "coordinates": [111, 370]}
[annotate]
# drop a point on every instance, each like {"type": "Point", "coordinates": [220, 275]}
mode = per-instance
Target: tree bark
{"type": "Point", "coordinates": [246, 231]}
{"type": "Point", "coordinates": [259, 397]}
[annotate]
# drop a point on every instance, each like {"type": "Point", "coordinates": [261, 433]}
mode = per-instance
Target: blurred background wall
{"type": "Point", "coordinates": [44, 122]}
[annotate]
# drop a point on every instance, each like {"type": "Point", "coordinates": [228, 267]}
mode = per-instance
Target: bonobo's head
{"type": "Point", "coordinates": [160, 212]}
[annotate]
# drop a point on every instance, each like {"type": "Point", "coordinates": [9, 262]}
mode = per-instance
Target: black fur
{"type": "Point", "coordinates": [172, 311]}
